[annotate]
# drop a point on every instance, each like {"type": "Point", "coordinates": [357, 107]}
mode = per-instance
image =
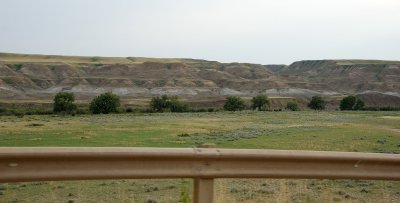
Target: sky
{"type": "Point", "coordinates": [253, 31]}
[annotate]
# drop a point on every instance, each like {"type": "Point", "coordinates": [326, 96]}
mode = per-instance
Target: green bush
{"type": "Point", "coordinates": [293, 106]}
{"type": "Point", "coordinates": [259, 102]}
{"type": "Point", "coordinates": [64, 102]}
{"type": "Point", "coordinates": [317, 103]}
{"type": "Point", "coordinates": [234, 103]}
{"type": "Point", "coordinates": [19, 114]}
{"type": "Point", "coordinates": [16, 67]}
{"type": "Point", "coordinates": [351, 103]}
{"type": "Point", "coordinates": [105, 103]}
{"type": "Point", "coordinates": [348, 103]}
{"type": "Point", "coordinates": [168, 104]}
{"type": "Point", "coordinates": [129, 109]}
{"type": "Point", "coordinates": [359, 105]}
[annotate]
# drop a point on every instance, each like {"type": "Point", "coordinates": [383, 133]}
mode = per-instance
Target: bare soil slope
{"type": "Point", "coordinates": [40, 77]}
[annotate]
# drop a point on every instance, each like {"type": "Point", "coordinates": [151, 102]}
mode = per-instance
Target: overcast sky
{"type": "Point", "coordinates": [256, 31]}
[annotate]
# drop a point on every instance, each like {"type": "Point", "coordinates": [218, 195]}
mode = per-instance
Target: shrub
{"type": "Point", "coordinates": [19, 114]}
{"type": "Point", "coordinates": [159, 104]}
{"type": "Point", "coordinates": [293, 106]}
{"type": "Point", "coordinates": [16, 67]}
{"type": "Point", "coordinates": [359, 105]}
{"type": "Point", "coordinates": [259, 102]}
{"type": "Point", "coordinates": [317, 103]}
{"type": "Point", "coordinates": [178, 106]}
{"type": "Point", "coordinates": [234, 103]}
{"type": "Point", "coordinates": [129, 110]}
{"type": "Point", "coordinates": [351, 103]}
{"type": "Point", "coordinates": [64, 102]}
{"type": "Point", "coordinates": [105, 103]}
{"type": "Point", "coordinates": [166, 103]}
{"type": "Point", "coordinates": [348, 103]}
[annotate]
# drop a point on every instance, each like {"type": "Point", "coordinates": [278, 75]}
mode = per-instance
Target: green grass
{"type": "Point", "coordinates": [331, 131]}
{"type": "Point", "coordinates": [326, 131]}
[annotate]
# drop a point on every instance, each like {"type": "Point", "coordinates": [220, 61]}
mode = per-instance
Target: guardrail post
{"type": "Point", "coordinates": [204, 187]}
{"type": "Point", "coordinates": [203, 190]}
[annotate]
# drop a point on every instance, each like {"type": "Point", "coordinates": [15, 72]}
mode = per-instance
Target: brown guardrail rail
{"type": "Point", "coordinates": [203, 164]}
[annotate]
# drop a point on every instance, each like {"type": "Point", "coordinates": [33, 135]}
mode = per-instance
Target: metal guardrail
{"type": "Point", "coordinates": [18, 164]}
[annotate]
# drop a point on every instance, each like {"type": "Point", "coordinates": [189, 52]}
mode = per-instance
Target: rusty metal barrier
{"type": "Point", "coordinates": [18, 164]}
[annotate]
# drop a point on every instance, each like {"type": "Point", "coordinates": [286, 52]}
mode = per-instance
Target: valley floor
{"type": "Point", "coordinates": [324, 131]}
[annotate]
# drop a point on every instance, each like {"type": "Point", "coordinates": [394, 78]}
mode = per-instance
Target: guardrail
{"type": "Point", "coordinates": [202, 164]}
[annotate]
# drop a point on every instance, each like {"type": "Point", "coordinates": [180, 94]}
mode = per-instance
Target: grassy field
{"type": "Point", "coordinates": [331, 131]}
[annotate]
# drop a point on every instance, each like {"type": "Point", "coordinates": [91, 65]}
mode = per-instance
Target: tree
{"type": "Point", "coordinates": [234, 103]}
{"type": "Point", "coordinates": [351, 103]}
{"type": "Point", "coordinates": [165, 103]}
{"type": "Point", "coordinates": [159, 104]}
{"type": "Point", "coordinates": [348, 103]}
{"type": "Point", "coordinates": [259, 102]}
{"type": "Point", "coordinates": [64, 102]}
{"type": "Point", "coordinates": [359, 104]}
{"type": "Point", "coordinates": [177, 106]}
{"type": "Point", "coordinates": [292, 105]}
{"type": "Point", "coordinates": [317, 103]}
{"type": "Point", "coordinates": [105, 103]}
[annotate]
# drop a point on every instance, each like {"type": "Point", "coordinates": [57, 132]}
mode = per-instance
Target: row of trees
{"type": "Point", "coordinates": [109, 103]}
{"type": "Point", "coordinates": [261, 102]}
{"type": "Point", "coordinates": [104, 103]}
{"type": "Point", "coordinates": [349, 103]}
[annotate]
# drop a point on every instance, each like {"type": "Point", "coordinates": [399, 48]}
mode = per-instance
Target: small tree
{"type": "Point", "coordinates": [359, 105]}
{"type": "Point", "coordinates": [348, 103]}
{"type": "Point", "coordinates": [234, 103]}
{"type": "Point", "coordinates": [165, 103]}
{"type": "Point", "coordinates": [64, 102]}
{"type": "Point", "coordinates": [317, 103]}
{"type": "Point", "coordinates": [259, 102]}
{"type": "Point", "coordinates": [351, 103]}
{"type": "Point", "coordinates": [292, 105]}
{"type": "Point", "coordinates": [177, 106]}
{"type": "Point", "coordinates": [159, 104]}
{"type": "Point", "coordinates": [105, 103]}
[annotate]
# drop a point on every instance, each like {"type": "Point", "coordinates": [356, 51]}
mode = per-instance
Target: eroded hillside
{"type": "Point", "coordinates": [39, 77]}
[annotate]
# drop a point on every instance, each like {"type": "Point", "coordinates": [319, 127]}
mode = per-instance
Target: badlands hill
{"type": "Point", "coordinates": [39, 77]}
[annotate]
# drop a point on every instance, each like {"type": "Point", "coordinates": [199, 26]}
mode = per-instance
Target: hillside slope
{"type": "Point", "coordinates": [39, 77]}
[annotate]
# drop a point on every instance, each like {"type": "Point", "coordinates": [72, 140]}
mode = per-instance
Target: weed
{"type": "Point", "coordinates": [35, 125]}
{"type": "Point", "coordinates": [184, 135]}
{"type": "Point", "coordinates": [15, 67]}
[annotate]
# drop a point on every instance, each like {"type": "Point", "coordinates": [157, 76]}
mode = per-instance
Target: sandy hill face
{"type": "Point", "coordinates": [40, 77]}
{"type": "Point", "coordinates": [347, 76]}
